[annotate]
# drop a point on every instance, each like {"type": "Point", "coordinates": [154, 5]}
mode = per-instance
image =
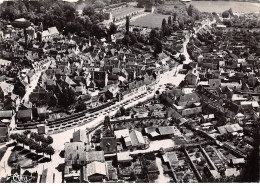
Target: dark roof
{"type": "Point", "coordinates": [3, 131]}
{"type": "Point", "coordinates": [24, 113]}
{"type": "Point", "coordinates": [108, 145]}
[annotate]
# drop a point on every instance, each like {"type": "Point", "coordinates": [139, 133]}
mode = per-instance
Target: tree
{"type": "Point", "coordinates": [80, 107]}
{"type": "Point", "coordinates": [174, 16]}
{"type": "Point", "coordinates": [112, 29]}
{"type": "Point", "coordinates": [153, 34]}
{"type": "Point", "coordinates": [37, 138]}
{"type": "Point", "coordinates": [225, 14]}
{"type": "Point", "coordinates": [99, 4]}
{"type": "Point", "coordinates": [127, 24]}
{"type": "Point", "coordinates": [169, 20]}
{"type": "Point", "coordinates": [49, 150]}
{"type": "Point", "coordinates": [49, 140]}
{"type": "Point", "coordinates": [26, 132]}
{"type": "Point", "coordinates": [88, 10]}
{"type": "Point", "coordinates": [158, 46]}
{"type": "Point", "coordinates": [107, 123]}
{"type": "Point", "coordinates": [182, 57]}
{"type": "Point", "coordinates": [14, 136]}
{"type": "Point", "coordinates": [190, 10]}
{"type": "Point", "coordinates": [126, 40]}
{"type": "Point", "coordinates": [21, 139]}
{"type": "Point", "coordinates": [123, 111]}
{"type": "Point", "coordinates": [163, 25]}
{"type": "Point", "coordinates": [181, 25]}
{"type": "Point", "coordinates": [230, 12]}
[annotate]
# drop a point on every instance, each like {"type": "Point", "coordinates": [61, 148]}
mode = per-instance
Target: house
{"type": "Point", "coordinates": [112, 172]}
{"type": "Point", "coordinates": [191, 111]}
{"type": "Point", "coordinates": [100, 78]}
{"type": "Point", "coordinates": [112, 91]}
{"type": "Point", "coordinates": [214, 83]}
{"type": "Point", "coordinates": [170, 158]}
{"type": "Point", "coordinates": [43, 113]}
{"type": "Point", "coordinates": [49, 34]}
{"type": "Point", "coordinates": [108, 145]}
{"type": "Point", "coordinates": [80, 136]}
{"type": "Point", "coordinates": [232, 172]}
{"type": "Point", "coordinates": [41, 129]}
{"type": "Point", "coordinates": [6, 114]}
{"type": "Point", "coordinates": [137, 139]}
{"type": "Point", "coordinates": [24, 115]}
{"type": "Point", "coordinates": [96, 171]}
{"type": "Point", "coordinates": [211, 173]}
{"type": "Point", "coordinates": [237, 161]}
{"type": "Point", "coordinates": [124, 157]}
{"type": "Point", "coordinates": [92, 156]}
{"type": "Point", "coordinates": [4, 133]}
{"type": "Point", "coordinates": [192, 77]}
{"type": "Point", "coordinates": [75, 153]}
{"type": "Point", "coordinates": [186, 100]}
{"type": "Point", "coordinates": [125, 135]}
{"type": "Point", "coordinates": [169, 131]}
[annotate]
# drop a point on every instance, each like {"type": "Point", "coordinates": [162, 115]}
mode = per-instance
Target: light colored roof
{"type": "Point", "coordinates": [206, 124]}
{"type": "Point", "coordinates": [6, 113]}
{"type": "Point", "coordinates": [122, 133]}
{"type": "Point", "coordinates": [5, 62]}
{"type": "Point", "coordinates": [232, 172]}
{"type": "Point", "coordinates": [240, 115]}
{"type": "Point", "coordinates": [124, 156]}
{"type": "Point", "coordinates": [96, 168]}
{"type": "Point", "coordinates": [69, 81]}
{"type": "Point", "coordinates": [20, 20]}
{"type": "Point", "coordinates": [210, 116]}
{"type": "Point", "coordinates": [136, 138]}
{"type": "Point", "coordinates": [45, 33]}
{"type": "Point", "coordinates": [215, 174]}
{"type": "Point", "coordinates": [253, 103]}
{"type": "Point", "coordinates": [53, 30]}
{"type": "Point", "coordinates": [238, 160]}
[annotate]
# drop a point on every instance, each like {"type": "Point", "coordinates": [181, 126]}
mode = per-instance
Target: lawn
{"type": "Point", "coordinates": [2, 152]}
{"type": "Point", "coordinates": [221, 6]}
{"type": "Point", "coordinates": [149, 21]}
{"type": "Point", "coordinates": [124, 11]}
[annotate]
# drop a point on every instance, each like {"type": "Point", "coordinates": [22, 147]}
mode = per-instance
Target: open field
{"type": "Point", "coordinates": [124, 11]}
{"type": "Point", "coordinates": [150, 21]}
{"type": "Point", "coordinates": [220, 6]}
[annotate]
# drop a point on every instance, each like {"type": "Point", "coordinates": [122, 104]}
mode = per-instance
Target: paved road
{"type": "Point", "coordinates": [29, 89]}
{"type": "Point", "coordinates": [4, 168]}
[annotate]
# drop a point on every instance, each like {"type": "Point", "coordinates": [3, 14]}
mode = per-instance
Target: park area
{"type": "Point", "coordinates": [149, 21]}
{"type": "Point", "coordinates": [125, 11]}
{"type": "Point", "coordinates": [221, 6]}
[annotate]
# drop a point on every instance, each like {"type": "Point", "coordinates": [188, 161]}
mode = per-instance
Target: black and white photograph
{"type": "Point", "coordinates": [129, 91]}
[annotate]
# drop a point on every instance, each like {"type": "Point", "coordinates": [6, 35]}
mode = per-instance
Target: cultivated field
{"type": "Point", "coordinates": [149, 21]}
{"type": "Point", "coordinates": [220, 6]}
{"type": "Point", "coordinates": [124, 11]}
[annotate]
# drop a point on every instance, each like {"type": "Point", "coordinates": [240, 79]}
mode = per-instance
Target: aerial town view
{"type": "Point", "coordinates": [129, 91]}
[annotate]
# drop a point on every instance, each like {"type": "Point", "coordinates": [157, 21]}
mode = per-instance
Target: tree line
{"type": "Point", "coordinates": [36, 142]}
